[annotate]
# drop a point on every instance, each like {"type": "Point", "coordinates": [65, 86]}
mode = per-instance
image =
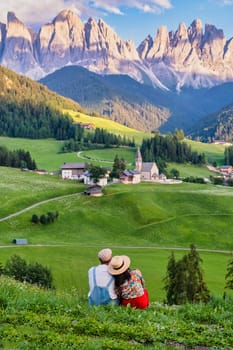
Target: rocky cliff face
{"type": "Point", "coordinates": [191, 56]}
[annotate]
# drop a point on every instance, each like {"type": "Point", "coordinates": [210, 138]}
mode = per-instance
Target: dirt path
{"type": "Point", "coordinates": [36, 205]}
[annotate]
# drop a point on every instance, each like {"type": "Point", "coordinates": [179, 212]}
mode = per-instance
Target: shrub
{"type": "Point", "coordinates": [34, 273]}
{"type": "Point", "coordinates": [35, 219]}
{"type": "Point", "coordinates": [45, 219]}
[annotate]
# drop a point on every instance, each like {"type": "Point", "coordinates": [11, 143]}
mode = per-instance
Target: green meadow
{"type": "Point", "coordinates": [47, 154]}
{"type": "Point", "coordinates": [145, 221]}
{"type": "Point", "coordinates": [109, 125]}
{"type": "Point", "coordinates": [213, 152]}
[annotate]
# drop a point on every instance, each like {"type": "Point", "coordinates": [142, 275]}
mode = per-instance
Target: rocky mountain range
{"type": "Point", "coordinates": [189, 57]}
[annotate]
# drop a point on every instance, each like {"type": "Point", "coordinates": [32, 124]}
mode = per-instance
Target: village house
{"type": "Point", "coordinates": [226, 170]}
{"type": "Point", "coordinates": [73, 171]}
{"type": "Point", "coordinates": [88, 179]}
{"type": "Point", "coordinates": [88, 126]}
{"type": "Point", "coordinates": [130, 177]}
{"type": "Point", "coordinates": [94, 191]}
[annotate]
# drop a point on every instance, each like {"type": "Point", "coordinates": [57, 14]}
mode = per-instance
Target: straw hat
{"type": "Point", "coordinates": [105, 255]}
{"type": "Point", "coordinates": [119, 264]}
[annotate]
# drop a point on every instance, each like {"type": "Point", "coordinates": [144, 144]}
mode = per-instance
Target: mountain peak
{"type": "Point", "coordinates": [181, 57]}
{"type": "Point", "coordinates": [11, 17]}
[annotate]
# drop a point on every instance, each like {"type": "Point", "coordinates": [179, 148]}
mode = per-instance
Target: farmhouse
{"type": "Point", "coordinates": [130, 177]}
{"type": "Point", "coordinates": [226, 169]}
{"type": "Point", "coordinates": [73, 171]}
{"type": "Point", "coordinates": [88, 179]}
{"type": "Point", "coordinates": [88, 126]}
{"type": "Point", "coordinates": [94, 191]}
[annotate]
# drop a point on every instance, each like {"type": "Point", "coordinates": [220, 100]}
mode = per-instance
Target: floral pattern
{"type": "Point", "coordinates": [134, 287]}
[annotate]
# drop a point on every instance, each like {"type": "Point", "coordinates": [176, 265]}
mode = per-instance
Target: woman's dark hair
{"type": "Point", "coordinates": [120, 279]}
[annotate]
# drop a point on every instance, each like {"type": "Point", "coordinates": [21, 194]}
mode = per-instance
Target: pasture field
{"type": "Point", "coordinates": [21, 189]}
{"type": "Point", "coordinates": [107, 155]}
{"type": "Point", "coordinates": [146, 221]}
{"type": "Point", "coordinates": [45, 152]}
{"type": "Point", "coordinates": [109, 125]}
{"type": "Point", "coordinates": [213, 152]}
{"type": "Point", "coordinates": [69, 265]}
{"type": "Point", "coordinates": [186, 170]}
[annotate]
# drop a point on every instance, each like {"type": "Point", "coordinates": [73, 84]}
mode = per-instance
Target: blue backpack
{"type": "Point", "coordinates": [99, 295]}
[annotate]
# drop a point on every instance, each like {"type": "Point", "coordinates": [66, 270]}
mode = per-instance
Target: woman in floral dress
{"type": "Point", "coordinates": [129, 284]}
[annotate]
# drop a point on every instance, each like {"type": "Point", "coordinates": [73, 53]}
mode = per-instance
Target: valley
{"type": "Point", "coordinates": [146, 221]}
{"type": "Point", "coordinates": [74, 91]}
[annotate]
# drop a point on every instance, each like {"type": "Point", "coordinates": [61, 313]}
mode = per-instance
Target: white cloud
{"type": "Point", "coordinates": [43, 11]}
{"type": "Point", "coordinates": [142, 5]}
{"type": "Point", "coordinates": [223, 2]}
{"type": "Point", "coordinates": [228, 2]}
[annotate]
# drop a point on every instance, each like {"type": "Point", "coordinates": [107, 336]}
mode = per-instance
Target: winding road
{"type": "Point", "coordinates": [36, 205]}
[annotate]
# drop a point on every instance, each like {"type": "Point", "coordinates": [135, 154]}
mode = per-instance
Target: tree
{"type": "Point", "coordinates": [16, 267]}
{"type": "Point", "coordinates": [35, 219]}
{"type": "Point", "coordinates": [96, 172]}
{"type": "Point", "coordinates": [118, 166]}
{"type": "Point", "coordinates": [184, 281]}
{"type": "Point", "coordinates": [169, 280]}
{"type": "Point", "coordinates": [40, 275]}
{"type": "Point", "coordinates": [174, 173]}
{"type": "Point", "coordinates": [43, 219]}
{"type": "Point", "coordinates": [1, 269]}
{"type": "Point", "coordinates": [228, 155]}
{"type": "Point", "coordinates": [229, 275]}
{"type": "Point", "coordinates": [196, 288]}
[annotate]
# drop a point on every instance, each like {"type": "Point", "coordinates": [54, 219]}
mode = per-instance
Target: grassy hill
{"type": "Point", "coordinates": [216, 126]}
{"type": "Point", "coordinates": [36, 319]}
{"type": "Point", "coordinates": [47, 152]}
{"type": "Point", "coordinates": [117, 97]}
{"type": "Point", "coordinates": [213, 152]}
{"type": "Point", "coordinates": [15, 87]}
{"type": "Point", "coordinates": [110, 126]}
{"type": "Point", "coordinates": [146, 222]}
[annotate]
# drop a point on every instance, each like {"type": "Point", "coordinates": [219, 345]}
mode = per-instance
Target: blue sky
{"type": "Point", "coordinates": [133, 21]}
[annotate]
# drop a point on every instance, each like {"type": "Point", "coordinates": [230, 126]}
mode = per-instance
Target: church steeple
{"type": "Point", "coordinates": [138, 160]}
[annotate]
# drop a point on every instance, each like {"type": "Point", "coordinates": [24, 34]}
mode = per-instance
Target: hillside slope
{"type": "Point", "coordinates": [119, 98]}
{"type": "Point", "coordinates": [139, 106]}
{"type": "Point", "coordinates": [17, 88]}
{"type": "Point", "coordinates": [216, 126]}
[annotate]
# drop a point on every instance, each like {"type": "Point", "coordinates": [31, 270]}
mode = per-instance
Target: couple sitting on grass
{"type": "Point", "coordinates": [113, 282]}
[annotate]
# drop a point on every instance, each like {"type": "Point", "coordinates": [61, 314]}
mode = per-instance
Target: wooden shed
{"type": "Point", "coordinates": [20, 241]}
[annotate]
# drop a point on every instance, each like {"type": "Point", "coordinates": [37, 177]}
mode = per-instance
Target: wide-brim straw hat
{"type": "Point", "coordinates": [119, 264]}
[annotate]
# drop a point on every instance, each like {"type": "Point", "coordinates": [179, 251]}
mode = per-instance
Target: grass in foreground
{"type": "Point", "coordinates": [36, 319]}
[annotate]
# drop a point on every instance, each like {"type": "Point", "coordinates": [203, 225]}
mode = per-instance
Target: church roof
{"type": "Point", "coordinates": [147, 166]}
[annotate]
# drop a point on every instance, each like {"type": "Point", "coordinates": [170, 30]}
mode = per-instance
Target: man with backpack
{"type": "Point", "coordinates": [101, 283]}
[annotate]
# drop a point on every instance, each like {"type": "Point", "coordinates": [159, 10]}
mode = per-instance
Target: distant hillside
{"type": "Point", "coordinates": [140, 106]}
{"type": "Point", "coordinates": [17, 88]}
{"type": "Point", "coordinates": [216, 126]}
{"type": "Point", "coordinates": [29, 110]}
{"type": "Point", "coordinates": [119, 98]}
